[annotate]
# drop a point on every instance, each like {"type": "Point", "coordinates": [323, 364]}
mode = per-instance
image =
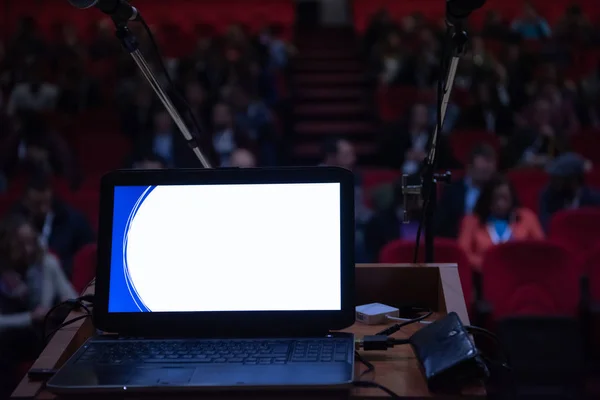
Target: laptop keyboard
{"type": "Point", "coordinates": [216, 352]}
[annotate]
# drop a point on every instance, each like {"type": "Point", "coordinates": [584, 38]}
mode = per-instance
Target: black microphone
{"type": "Point", "coordinates": [119, 10]}
{"type": "Point", "coordinates": [457, 11]}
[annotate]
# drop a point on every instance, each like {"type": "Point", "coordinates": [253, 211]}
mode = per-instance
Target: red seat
{"type": "Point", "coordinates": [463, 142]}
{"type": "Point", "coordinates": [446, 251]}
{"type": "Point", "coordinates": [102, 152]}
{"type": "Point", "coordinates": [84, 267]}
{"type": "Point", "coordinates": [373, 177]}
{"type": "Point", "coordinates": [533, 278]}
{"type": "Point", "coordinates": [579, 230]}
{"type": "Point", "coordinates": [529, 183]}
{"type": "Point", "coordinates": [587, 144]}
{"type": "Point", "coordinates": [394, 102]}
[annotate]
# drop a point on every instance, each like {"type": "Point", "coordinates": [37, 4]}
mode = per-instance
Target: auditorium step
{"type": "Point", "coordinates": [341, 110]}
{"type": "Point", "coordinates": [330, 96]}
{"type": "Point", "coordinates": [329, 79]}
{"type": "Point", "coordinates": [335, 128]}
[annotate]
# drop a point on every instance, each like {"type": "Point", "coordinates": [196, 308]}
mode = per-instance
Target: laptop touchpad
{"type": "Point", "coordinates": [161, 376]}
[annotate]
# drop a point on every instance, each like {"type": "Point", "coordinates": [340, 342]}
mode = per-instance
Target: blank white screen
{"type": "Point", "coordinates": [267, 247]}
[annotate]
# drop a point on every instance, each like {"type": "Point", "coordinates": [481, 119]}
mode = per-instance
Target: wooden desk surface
{"type": "Point", "coordinates": [397, 369]}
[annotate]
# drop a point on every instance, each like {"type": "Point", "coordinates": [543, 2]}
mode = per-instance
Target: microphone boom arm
{"type": "Point", "coordinates": [130, 44]}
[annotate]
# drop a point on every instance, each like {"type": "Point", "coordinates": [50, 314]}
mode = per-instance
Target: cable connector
{"type": "Point", "coordinates": [379, 342]}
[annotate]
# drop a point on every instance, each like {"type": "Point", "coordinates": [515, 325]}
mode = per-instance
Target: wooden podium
{"type": "Point", "coordinates": [436, 286]}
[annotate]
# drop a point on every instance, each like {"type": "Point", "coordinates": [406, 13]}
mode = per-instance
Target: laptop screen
{"type": "Point", "coordinates": [207, 248]}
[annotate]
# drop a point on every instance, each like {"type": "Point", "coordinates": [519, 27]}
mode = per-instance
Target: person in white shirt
{"type": "Point", "coordinates": [34, 94]}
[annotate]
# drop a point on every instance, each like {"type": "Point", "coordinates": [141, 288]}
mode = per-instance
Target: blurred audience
{"type": "Point", "coordinates": [567, 189]}
{"type": "Point", "coordinates": [30, 148]}
{"type": "Point", "coordinates": [60, 227]}
{"type": "Point", "coordinates": [497, 218]}
{"type": "Point", "coordinates": [31, 282]}
{"type": "Point", "coordinates": [459, 198]}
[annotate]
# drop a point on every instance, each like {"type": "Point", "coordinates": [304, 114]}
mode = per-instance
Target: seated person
{"type": "Point", "coordinates": [385, 226]}
{"type": "Point", "coordinates": [341, 153]}
{"type": "Point", "coordinates": [62, 229]}
{"type": "Point", "coordinates": [31, 282]}
{"type": "Point", "coordinates": [460, 197]}
{"type": "Point", "coordinates": [496, 219]}
{"type": "Point", "coordinates": [567, 189]}
{"type": "Point", "coordinates": [530, 25]}
{"type": "Point", "coordinates": [226, 135]}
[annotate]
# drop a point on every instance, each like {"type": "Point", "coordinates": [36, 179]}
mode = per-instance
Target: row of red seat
{"type": "Point", "coordinates": [529, 182]}
{"type": "Point", "coordinates": [185, 14]}
{"type": "Point", "coordinates": [537, 277]}
{"type": "Point", "coordinates": [434, 10]}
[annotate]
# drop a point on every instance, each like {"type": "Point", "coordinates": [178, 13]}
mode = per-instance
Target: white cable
{"type": "Point", "coordinates": [406, 320]}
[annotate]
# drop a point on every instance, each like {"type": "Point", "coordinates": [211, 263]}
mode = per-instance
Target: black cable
{"type": "Point", "coordinates": [65, 324]}
{"type": "Point", "coordinates": [446, 45]}
{"type": "Point", "coordinates": [370, 366]}
{"type": "Point", "coordinates": [168, 77]}
{"type": "Point", "coordinates": [396, 327]}
{"type": "Point", "coordinates": [475, 330]}
{"type": "Point", "coordinates": [371, 384]}
{"type": "Point", "coordinates": [73, 304]}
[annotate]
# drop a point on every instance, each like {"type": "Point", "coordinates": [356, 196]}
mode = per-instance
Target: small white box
{"type": "Point", "coordinates": [375, 313]}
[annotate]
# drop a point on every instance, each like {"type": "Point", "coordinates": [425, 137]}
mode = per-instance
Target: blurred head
{"type": "Point", "coordinates": [394, 40]}
{"type": "Point", "coordinates": [222, 117]}
{"type": "Point", "coordinates": [339, 153]}
{"type": "Point", "coordinates": [69, 33]}
{"type": "Point", "coordinates": [477, 44]}
{"type": "Point", "coordinates": [409, 24]}
{"type": "Point", "coordinates": [513, 52]}
{"type": "Point", "coordinates": [419, 116]}
{"type": "Point", "coordinates": [27, 26]}
{"type": "Point", "coordinates": [551, 93]}
{"type": "Point", "coordinates": [19, 244]}
{"type": "Point", "coordinates": [162, 122]}
{"type": "Point", "coordinates": [529, 11]}
{"type": "Point", "coordinates": [195, 93]}
{"type": "Point", "coordinates": [38, 198]}
{"type": "Point", "coordinates": [239, 98]}
{"type": "Point", "coordinates": [567, 174]}
{"type": "Point", "coordinates": [574, 11]}
{"type": "Point", "coordinates": [482, 164]}
{"type": "Point", "coordinates": [484, 94]}
{"type": "Point", "coordinates": [242, 158]}
{"type": "Point", "coordinates": [492, 17]}
{"type": "Point", "coordinates": [542, 112]}
{"type": "Point", "coordinates": [150, 161]}
{"type": "Point", "coordinates": [497, 200]}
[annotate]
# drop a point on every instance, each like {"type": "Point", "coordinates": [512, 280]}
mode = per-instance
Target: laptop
{"type": "Point", "coordinates": [220, 279]}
